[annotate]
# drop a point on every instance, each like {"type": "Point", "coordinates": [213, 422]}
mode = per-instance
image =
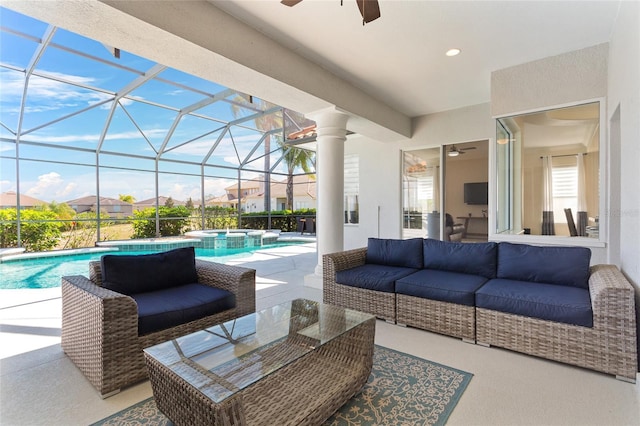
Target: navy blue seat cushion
{"type": "Point", "coordinates": [466, 258]}
{"type": "Point", "coordinates": [551, 265]}
{"type": "Point", "coordinates": [169, 307]}
{"type": "Point", "coordinates": [565, 304]}
{"type": "Point", "coordinates": [373, 277]}
{"type": "Point", "coordinates": [405, 253]}
{"type": "Point", "coordinates": [132, 274]}
{"type": "Point", "coordinates": [444, 286]}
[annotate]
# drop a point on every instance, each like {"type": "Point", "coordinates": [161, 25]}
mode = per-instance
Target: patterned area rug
{"type": "Point", "coordinates": [402, 390]}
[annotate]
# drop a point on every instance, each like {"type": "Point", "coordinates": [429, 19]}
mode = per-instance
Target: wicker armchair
{"type": "Point", "coordinates": [100, 326]}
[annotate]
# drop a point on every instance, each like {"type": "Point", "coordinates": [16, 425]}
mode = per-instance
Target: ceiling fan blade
{"type": "Point", "coordinates": [465, 149]}
{"type": "Point", "coordinates": [369, 9]}
{"type": "Point", "coordinates": [290, 3]}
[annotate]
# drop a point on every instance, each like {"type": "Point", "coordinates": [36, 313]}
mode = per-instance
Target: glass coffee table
{"type": "Point", "coordinates": [294, 363]}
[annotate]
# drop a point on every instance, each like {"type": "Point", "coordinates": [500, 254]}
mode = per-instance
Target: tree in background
{"type": "Point", "coordinates": [169, 202]}
{"type": "Point", "coordinates": [62, 211]}
{"type": "Point", "coordinates": [295, 157]}
{"type": "Point", "coordinates": [127, 198]}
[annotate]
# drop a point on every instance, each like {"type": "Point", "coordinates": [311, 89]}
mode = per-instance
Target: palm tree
{"type": "Point", "coordinates": [295, 157]}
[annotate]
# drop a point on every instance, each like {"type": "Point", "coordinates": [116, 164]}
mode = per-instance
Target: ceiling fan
{"type": "Point", "coordinates": [369, 9]}
{"type": "Point", "coordinates": [454, 151]}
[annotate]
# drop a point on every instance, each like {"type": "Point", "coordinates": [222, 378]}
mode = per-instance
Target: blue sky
{"type": "Point", "coordinates": [137, 127]}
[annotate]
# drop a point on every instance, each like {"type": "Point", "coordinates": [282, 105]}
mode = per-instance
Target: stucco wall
{"type": "Point", "coordinates": [380, 177]}
{"type": "Point", "coordinates": [571, 77]}
{"type": "Point", "coordinates": [624, 115]}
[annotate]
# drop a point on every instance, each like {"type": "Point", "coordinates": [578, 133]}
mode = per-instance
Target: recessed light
{"type": "Point", "coordinates": [453, 52]}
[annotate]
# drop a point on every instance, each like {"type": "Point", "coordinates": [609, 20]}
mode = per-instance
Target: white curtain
{"type": "Point", "coordinates": [548, 227]}
{"type": "Point", "coordinates": [582, 197]}
{"type": "Point", "coordinates": [435, 171]}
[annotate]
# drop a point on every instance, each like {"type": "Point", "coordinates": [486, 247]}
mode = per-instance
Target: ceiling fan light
{"type": "Point", "coordinates": [503, 141]}
{"type": "Point", "coordinates": [453, 153]}
{"type": "Point", "coordinates": [453, 52]}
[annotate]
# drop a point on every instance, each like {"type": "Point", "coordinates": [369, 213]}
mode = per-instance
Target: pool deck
{"type": "Point", "coordinates": [31, 318]}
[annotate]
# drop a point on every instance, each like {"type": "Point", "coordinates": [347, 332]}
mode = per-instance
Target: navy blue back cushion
{"type": "Point", "coordinates": [132, 274]}
{"type": "Point", "coordinates": [405, 253]}
{"type": "Point", "coordinates": [551, 265]}
{"type": "Point", "coordinates": [466, 258]}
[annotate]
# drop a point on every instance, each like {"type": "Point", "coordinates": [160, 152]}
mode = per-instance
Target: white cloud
{"type": "Point", "coordinates": [45, 94]}
{"type": "Point", "coordinates": [46, 183]}
{"type": "Point", "coordinates": [216, 187]}
{"type": "Point", "coordinates": [92, 137]}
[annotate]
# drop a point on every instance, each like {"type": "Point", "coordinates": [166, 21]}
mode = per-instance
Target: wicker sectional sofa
{"type": "Point", "coordinates": [131, 302]}
{"type": "Point", "coordinates": [543, 301]}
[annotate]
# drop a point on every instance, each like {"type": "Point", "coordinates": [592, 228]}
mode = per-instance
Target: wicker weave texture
{"type": "Point", "coordinates": [100, 326]}
{"type": "Point", "coordinates": [305, 392]}
{"type": "Point", "coordinates": [609, 346]}
{"type": "Point", "coordinates": [441, 317]}
{"type": "Point", "coordinates": [378, 303]}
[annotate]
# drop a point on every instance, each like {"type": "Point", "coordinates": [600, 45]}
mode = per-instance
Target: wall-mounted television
{"type": "Point", "coordinates": [476, 193]}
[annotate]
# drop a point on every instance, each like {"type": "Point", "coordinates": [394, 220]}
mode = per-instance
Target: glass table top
{"type": "Point", "coordinates": [226, 358]}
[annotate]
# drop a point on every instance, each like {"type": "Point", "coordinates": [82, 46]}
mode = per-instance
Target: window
{"type": "Point", "coordinates": [351, 188]}
{"type": "Point", "coordinates": [570, 137]}
{"type": "Point", "coordinates": [565, 191]}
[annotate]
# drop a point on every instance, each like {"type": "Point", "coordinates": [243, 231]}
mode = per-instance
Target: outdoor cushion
{"type": "Point", "coordinates": [162, 309]}
{"type": "Point", "coordinates": [551, 265]}
{"type": "Point", "coordinates": [466, 258]}
{"type": "Point", "coordinates": [373, 277]}
{"type": "Point", "coordinates": [405, 253]}
{"type": "Point", "coordinates": [444, 286]}
{"type": "Point", "coordinates": [569, 305]}
{"type": "Point", "coordinates": [132, 274]}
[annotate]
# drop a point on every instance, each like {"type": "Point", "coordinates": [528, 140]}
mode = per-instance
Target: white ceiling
{"type": "Point", "coordinates": [400, 58]}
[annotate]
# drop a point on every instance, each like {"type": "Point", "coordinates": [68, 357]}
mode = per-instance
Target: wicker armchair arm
{"type": "Point", "coordinates": [238, 280]}
{"type": "Point", "coordinates": [346, 259]}
{"type": "Point", "coordinates": [99, 330]}
{"type": "Point", "coordinates": [612, 297]}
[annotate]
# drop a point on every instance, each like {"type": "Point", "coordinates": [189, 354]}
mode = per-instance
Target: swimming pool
{"type": "Point", "coordinates": [45, 272]}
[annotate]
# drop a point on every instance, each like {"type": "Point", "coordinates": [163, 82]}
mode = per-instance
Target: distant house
{"type": "Point", "coordinates": [238, 194]}
{"type": "Point", "coordinates": [113, 207]}
{"type": "Point", "coordinates": [151, 202]}
{"type": "Point", "coordinates": [304, 194]}
{"type": "Point", "coordinates": [9, 200]}
{"type": "Point", "coordinates": [227, 200]}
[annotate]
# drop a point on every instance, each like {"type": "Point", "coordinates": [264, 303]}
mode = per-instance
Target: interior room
{"type": "Point", "coordinates": [527, 134]}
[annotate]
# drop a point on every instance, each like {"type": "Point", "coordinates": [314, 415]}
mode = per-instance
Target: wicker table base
{"type": "Point", "coordinates": [301, 378]}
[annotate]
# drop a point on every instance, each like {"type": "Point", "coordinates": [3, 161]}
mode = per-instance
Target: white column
{"type": "Point", "coordinates": [331, 128]}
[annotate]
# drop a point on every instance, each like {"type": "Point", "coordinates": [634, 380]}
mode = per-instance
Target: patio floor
{"type": "Point", "coordinates": [40, 386]}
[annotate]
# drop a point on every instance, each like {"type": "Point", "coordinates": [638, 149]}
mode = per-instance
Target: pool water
{"type": "Point", "coordinates": [46, 272]}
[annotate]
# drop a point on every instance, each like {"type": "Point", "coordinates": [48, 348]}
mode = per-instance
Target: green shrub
{"type": "Point", "coordinates": [39, 230]}
{"type": "Point", "coordinates": [284, 220]}
{"type": "Point", "coordinates": [173, 221]}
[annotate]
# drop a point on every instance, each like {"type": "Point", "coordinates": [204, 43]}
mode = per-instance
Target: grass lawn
{"type": "Point", "coordinates": [87, 237]}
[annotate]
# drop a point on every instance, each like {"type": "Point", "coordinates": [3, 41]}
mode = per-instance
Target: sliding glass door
{"type": "Point", "coordinates": [421, 193]}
